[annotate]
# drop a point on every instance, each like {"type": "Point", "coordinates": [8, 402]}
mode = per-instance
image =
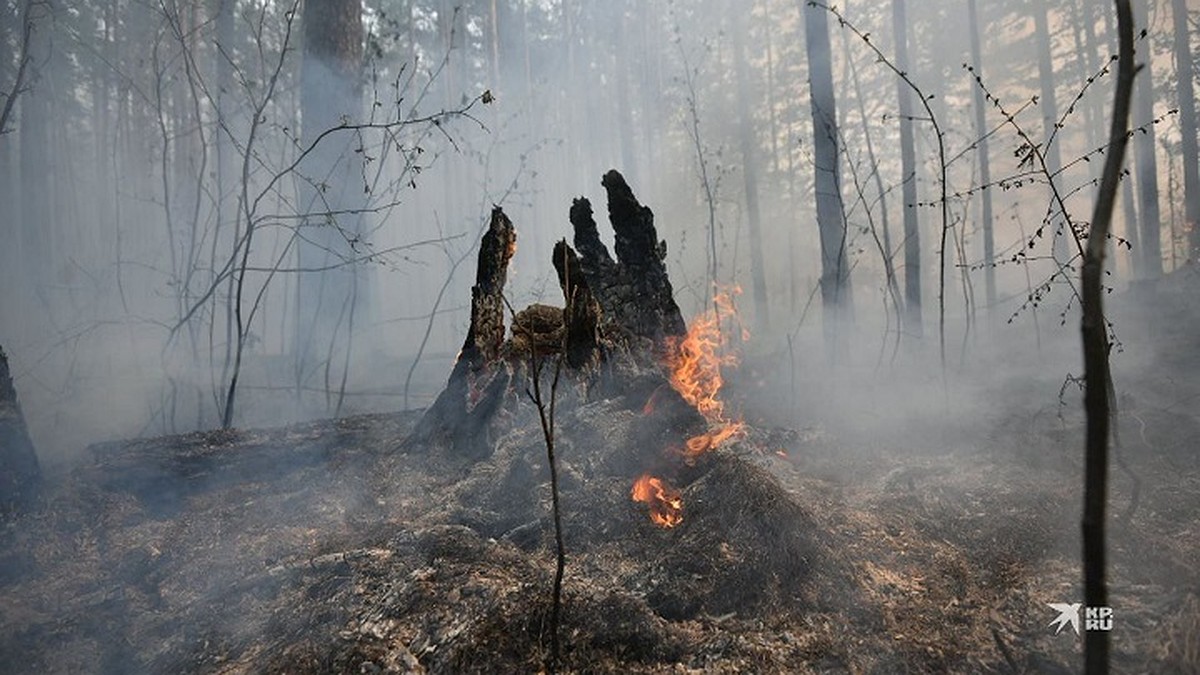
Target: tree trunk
{"type": "Point", "coordinates": [908, 169]}
{"type": "Point", "coordinates": [634, 291]}
{"type": "Point", "coordinates": [35, 149]}
{"type": "Point", "coordinates": [20, 473]}
{"type": "Point", "coordinates": [1097, 379]}
{"type": "Point", "coordinates": [582, 314]}
{"type": "Point", "coordinates": [475, 388]}
{"type": "Point", "coordinates": [10, 85]}
{"type": "Point", "coordinates": [625, 303]}
{"type": "Point", "coordinates": [624, 111]}
{"type": "Point", "coordinates": [1083, 21]}
{"type": "Point", "coordinates": [748, 140]}
{"type": "Point", "coordinates": [985, 171]}
{"type": "Point", "coordinates": [1146, 160]}
{"type": "Point", "coordinates": [225, 84]}
{"type": "Point", "coordinates": [1129, 213]}
{"type": "Point", "coordinates": [835, 267]}
{"type": "Point", "coordinates": [494, 46]}
{"type": "Point", "coordinates": [1187, 125]}
{"type": "Point", "coordinates": [1050, 151]}
{"type": "Point", "coordinates": [768, 26]}
{"type": "Point", "coordinates": [331, 92]}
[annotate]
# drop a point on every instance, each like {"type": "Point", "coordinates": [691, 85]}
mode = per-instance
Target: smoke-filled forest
{"type": "Point", "coordinates": [444, 336]}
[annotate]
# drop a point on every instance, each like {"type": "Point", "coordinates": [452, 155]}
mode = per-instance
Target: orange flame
{"type": "Point", "coordinates": [694, 369]}
{"type": "Point", "coordinates": [666, 504]}
{"type": "Point", "coordinates": [693, 365]}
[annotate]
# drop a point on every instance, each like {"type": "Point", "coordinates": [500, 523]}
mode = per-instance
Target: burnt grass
{"type": "Point", "coordinates": [336, 547]}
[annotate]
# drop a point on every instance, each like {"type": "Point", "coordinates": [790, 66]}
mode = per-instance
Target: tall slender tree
{"type": "Point", "coordinates": [835, 267]}
{"type": "Point", "coordinates": [1096, 345]}
{"type": "Point", "coordinates": [1145, 157]}
{"type": "Point", "coordinates": [985, 171]}
{"type": "Point", "coordinates": [748, 141]}
{"type": "Point", "coordinates": [1049, 108]}
{"type": "Point", "coordinates": [35, 146]}
{"type": "Point", "coordinates": [908, 169]}
{"type": "Point", "coordinates": [1187, 123]}
{"type": "Point", "coordinates": [331, 93]}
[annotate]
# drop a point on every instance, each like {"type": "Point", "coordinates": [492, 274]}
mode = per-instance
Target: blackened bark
{"type": "Point", "coordinates": [20, 473]}
{"type": "Point", "coordinates": [642, 254]}
{"type": "Point", "coordinates": [634, 292]}
{"type": "Point", "coordinates": [626, 302]}
{"type": "Point", "coordinates": [479, 379]}
{"type": "Point", "coordinates": [486, 333]}
{"type": "Point", "coordinates": [582, 315]}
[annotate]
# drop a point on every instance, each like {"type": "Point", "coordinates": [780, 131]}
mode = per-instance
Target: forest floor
{"type": "Point", "coordinates": [332, 547]}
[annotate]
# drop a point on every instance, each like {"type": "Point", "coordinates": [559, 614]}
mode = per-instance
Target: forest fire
{"type": "Point", "coordinates": [694, 369]}
{"type": "Point", "coordinates": [666, 504]}
{"type": "Point", "coordinates": [694, 361]}
{"type": "Point", "coordinates": [694, 364]}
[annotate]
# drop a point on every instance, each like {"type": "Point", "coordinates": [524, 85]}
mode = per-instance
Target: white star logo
{"type": "Point", "coordinates": [1067, 613]}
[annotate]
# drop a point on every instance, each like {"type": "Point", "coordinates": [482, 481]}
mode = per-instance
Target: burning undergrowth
{"type": "Point", "coordinates": [740, 543]}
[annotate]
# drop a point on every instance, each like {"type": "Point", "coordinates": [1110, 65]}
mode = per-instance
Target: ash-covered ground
{"type": "Point", "coordinates": [921, 535]}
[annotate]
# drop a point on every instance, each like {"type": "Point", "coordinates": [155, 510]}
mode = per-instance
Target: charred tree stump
{"type": "Point", "coordinates": [626, 302]}
{"type": "Point", "coordinates": [634, 291]}
{"type": "Point", "coordinates": [479, 380]}
{"type": "Point", "coordinates": [20, 473]}
{"type": "Point", "coordinates": [582, 315]}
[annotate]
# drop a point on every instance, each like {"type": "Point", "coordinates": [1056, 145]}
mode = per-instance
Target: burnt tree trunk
{"type": "Point", "coordinates": [476, 386]}
{"type": "Point", "coordinates": [625, 302]}
{"type": "Point", "coordinates": [582, 314]}
{"type": "Point", "coordinates": [634, 291]}
{"type": "Point", "coordinates": [20, 473]}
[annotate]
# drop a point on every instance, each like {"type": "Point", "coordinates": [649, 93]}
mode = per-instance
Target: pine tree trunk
{"type": "Point", "coordinates": [1146, 159]}
{"type": "Point", "coordinates": [35, 148]}
{"type": "Point", "coordinates": [1187, 124]}
{"type": "Point", "coordinates": [748, 140]}
{"type": "Point", "coordinates": [835, 267]}
{"type": "Point", "coordinates": [20, 473]}
{"type": "Point", "coordinates": [331, 91]}
{"type": "Point", "coordinates": [1049, 106]}
{"type": "Point", "coordinates": [985, 171]}
{"type": "Point", "coordinates": [908, 170]}
{"type": "Point", "coordinates": [1097, 379]}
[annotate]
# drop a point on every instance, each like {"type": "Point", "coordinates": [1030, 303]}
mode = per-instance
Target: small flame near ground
{"type": "Point", "coordinates": [666, 504]}
{"type": "Point", "coordinates": [693, 365]}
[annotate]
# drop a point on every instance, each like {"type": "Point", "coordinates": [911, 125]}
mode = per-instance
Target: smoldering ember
{"type": "Point", "coordinates": [365, 336]}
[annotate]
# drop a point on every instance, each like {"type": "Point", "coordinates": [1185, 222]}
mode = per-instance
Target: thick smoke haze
{"type": "Point", "coordinates": [169, 166]}
{"type": "Point", "coordinates": [262, 220]}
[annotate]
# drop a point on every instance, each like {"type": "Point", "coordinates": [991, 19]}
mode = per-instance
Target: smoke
{"type": "Point", "coordinates": [120, 316]}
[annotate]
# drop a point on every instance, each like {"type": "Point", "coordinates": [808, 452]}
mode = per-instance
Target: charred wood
{"type": "Point", "coordinates": [479, 380]}
{"type": "Point", "coordinates": [634, 291]}
{"type": "Point", "coordinates": [626, 303]}
{"type": "Point", "coordinates": [20, 473]}
{"type": "Point", "coordinates": [582, 315]}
